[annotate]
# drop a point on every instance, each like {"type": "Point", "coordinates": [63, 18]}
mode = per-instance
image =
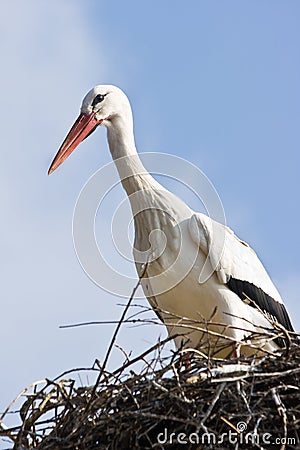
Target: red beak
{"type": "Point", "coordinates": [83, 126]}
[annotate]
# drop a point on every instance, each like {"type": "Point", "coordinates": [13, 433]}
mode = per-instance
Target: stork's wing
{"type": "Point", "coordinates": [238, 267]}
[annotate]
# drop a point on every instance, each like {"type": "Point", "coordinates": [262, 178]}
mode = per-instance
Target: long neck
{"type": "Point", "coordinates": [144, 192]}
{"type": "Point", "coordinates": [133, 175]}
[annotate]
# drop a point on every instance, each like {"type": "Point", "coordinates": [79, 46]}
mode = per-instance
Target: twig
{"type": "Point", "coordinates": [214, 401]}
{"type": "Point", "coordinates": [282, 413]}
{"type": "Point", "coordinates": [103, 367]}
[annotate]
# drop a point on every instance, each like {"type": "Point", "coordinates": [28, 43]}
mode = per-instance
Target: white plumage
{"type": "Point", "coordinates": [201, 279]}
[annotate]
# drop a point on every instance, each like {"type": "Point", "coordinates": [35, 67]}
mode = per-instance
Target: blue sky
{"type": "Point", "coordinates": [216, 83]}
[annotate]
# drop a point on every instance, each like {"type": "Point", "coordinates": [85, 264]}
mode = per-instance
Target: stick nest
{"type": "Point", "coordinates": [172, 402]}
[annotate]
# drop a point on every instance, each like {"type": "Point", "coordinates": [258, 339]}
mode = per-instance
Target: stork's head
{"type": "Point", "coordinates": [103, 105]}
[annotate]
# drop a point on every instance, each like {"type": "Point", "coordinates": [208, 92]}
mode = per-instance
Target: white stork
{"type": "Point", "coordinates": [238, 301]}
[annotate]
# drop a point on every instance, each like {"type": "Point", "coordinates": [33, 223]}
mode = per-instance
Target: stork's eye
{"type": "Point", "coordinates": [98, 99]}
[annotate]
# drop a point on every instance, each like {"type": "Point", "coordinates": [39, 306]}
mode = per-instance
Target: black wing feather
{"type": "Point", "coordinates": [256, 296]}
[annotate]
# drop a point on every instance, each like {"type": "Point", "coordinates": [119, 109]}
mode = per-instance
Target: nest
{"type": "Point", "coordinates": [171, 402]}
{"type": "Point", "coordinates": [162, 400]}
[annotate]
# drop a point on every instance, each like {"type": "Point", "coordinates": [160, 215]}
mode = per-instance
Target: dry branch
{"type": "Point", "coordinates": [157, 400]}
{"type": "Point", "coordinates": [124, 409]}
